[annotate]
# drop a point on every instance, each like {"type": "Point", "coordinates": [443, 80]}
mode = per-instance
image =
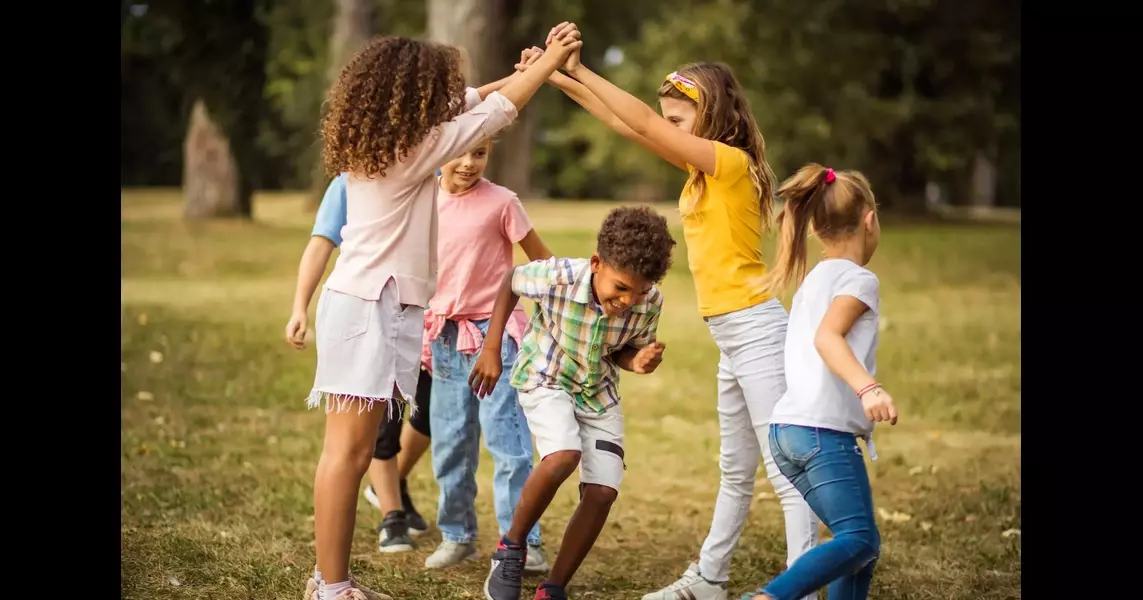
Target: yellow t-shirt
{"type": "Point", "coordinates": [723, 232]}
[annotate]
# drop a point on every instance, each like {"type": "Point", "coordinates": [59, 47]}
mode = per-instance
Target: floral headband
{"type": "Point", "coordinates": [684, 85]}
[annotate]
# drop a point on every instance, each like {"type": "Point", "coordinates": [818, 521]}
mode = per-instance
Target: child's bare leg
{"type": "Point", "coordinates": [539, 490]}
{"type": "Point", "coordinates": [383, 474]}
{"type": "Point", "coordinates": [582, 531]}
{"type": "Point", "coordinates": [345, 457]}
{"type": "Point", "coordinates": [413, 446]}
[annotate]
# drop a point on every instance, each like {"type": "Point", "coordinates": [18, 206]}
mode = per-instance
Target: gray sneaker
{"type": "Point", "coordinates": [448, 554]}
{"type": "Point", "coordinates": [393, 533]}
{"type": "Point", "coordinates": [507, 574]}
{"type": "Point", "coordinates": [536, 563]}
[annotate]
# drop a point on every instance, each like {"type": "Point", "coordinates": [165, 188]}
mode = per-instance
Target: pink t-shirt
{"type": "Point", "coordinates": [477, 229]}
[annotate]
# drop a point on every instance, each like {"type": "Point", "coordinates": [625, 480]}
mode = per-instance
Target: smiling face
{"type": "Point", "coordinates": [680, 112]}
{"type": "Point", "coordinates": [616, 291]}
{"type": "Point", "coordinates": [464, 171]}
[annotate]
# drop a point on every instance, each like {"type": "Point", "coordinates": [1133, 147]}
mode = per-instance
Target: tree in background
{"type": "Point", "coordinates": [352, 28]}
{"type": "Point", "coordinates": [216, 51]}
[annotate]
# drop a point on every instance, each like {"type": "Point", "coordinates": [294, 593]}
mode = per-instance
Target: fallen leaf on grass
{"type": "Point", "coordinates": [926, 525]}
{"type": "Point", "coordinates": [916, 470]}
{"type": "Point", "coordinates": [894, 516]}
{"type": "Point", "coordinates": [170, 580]}
{"type": "Point", "coordinates": [156, 356]}
{"type": "Point", "coordinates": [145, 396]}
{"type": "Point", "coordinates": [1010, 532]}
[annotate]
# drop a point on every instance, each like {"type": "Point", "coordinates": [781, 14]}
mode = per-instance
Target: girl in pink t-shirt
{"type": "Point", "coordinates": [396, 113]}
{"type": "Point", "coordinates": [479, 223]}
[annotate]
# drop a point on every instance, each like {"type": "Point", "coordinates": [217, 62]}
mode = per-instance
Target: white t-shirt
{"type": "Point", "coordinates": [815, 397]}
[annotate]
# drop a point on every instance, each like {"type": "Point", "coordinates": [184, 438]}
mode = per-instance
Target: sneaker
{"type": "Point", "coordinates": [360, 592]}
{"type": "Point", "coordinates": [507, 573]}
{"type": "Point", "coordinates": [448, 554]}
{"type": "Point", "coordinates": [750, 595]}
{"type": "Point", "coordinates": [550, 593]}
{"type": "Point", "coordinates": [417, 524]}
{"type": "Point", "coordinates": [394, 533]}
{"type": "Point", "coordinates": [535, 563]}
{"type": "Point", "coordinates": [691, 586]}
{"type": "Point", "coordinates": [355, 592]}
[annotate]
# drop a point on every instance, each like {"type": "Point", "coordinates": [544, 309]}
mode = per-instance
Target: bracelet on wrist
{"type": "Point", "coordinates": [869, 388]}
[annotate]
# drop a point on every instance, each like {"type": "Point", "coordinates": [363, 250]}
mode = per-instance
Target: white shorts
{"type": "Point", "coordinates": [365, 348]}
{"type": "Point", "coordinates": [558, 424]}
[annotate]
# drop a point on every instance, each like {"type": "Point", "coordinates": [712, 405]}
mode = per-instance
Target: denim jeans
{"type": "Point", "coordinates": [456, 418]}
{"type": "Point", "coordinates": [827, 468]}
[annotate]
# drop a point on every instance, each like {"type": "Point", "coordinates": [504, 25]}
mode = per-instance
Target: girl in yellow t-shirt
{"type": "Point", "coordinates": [707, 130]}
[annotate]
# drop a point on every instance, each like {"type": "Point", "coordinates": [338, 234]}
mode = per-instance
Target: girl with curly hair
{"type": "Point", "coordinates": [397, 112]}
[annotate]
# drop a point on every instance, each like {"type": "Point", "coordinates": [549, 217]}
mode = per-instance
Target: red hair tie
{"type": "Point", "coordinates": [830, 176]}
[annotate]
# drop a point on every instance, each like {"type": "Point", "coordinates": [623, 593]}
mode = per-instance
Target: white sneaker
{"type": "Point", "coordinates": [535, 563]}
{"type": "Point", "coordinates": [448, 554]}
{"type": "Point", "coordinates": [691, 586]}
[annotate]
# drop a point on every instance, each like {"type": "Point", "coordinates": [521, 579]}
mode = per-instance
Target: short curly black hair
{"type": "Point", "coordinates": [635, 239]}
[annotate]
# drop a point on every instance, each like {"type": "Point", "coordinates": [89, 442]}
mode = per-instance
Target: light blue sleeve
{"type": "Point", "coordinates": [331, 214]}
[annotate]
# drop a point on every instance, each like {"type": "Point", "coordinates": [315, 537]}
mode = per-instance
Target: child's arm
{"type": "Point", "coordinates": [457, 136]}
{"type": "Point", "coordinates": [534, 247]}
{"type": "Point", "coordinates": [671, 143]}
{"type": "Point", "coordinates": [830, 343]}
{"type": "Point", "coordinates": [325, 237]}
{"type": "Point", "coordinates": [312, 267]}
{"type": "Point", "coordinates": [532, 280]}
{"type": "Point", "coordinates": [644, 352]}
{"type": "Point", "coordinates": [518, 229]}
{"type": "Point", "coordinates": [583, 97]}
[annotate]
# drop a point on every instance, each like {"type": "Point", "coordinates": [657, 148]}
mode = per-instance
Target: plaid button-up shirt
{"type": "Point", "coordinates": [569, 341]}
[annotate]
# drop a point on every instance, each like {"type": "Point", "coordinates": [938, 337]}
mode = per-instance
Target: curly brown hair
{"type": "Point", "coordinates": [386, 100]}
{"type": "Point", "coordinates": [636, 239]}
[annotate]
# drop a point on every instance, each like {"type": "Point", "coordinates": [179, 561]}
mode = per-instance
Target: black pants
{"type": "Point", "coordinates": [389, 433]}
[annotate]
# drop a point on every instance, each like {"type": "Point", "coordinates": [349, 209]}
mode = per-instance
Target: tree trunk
{"type": "Point", "coordinates": [352, 28]}
{"type": "Point", "coordinates": [478, 27]}
{"type": "Point", "coordinates": [211, 184]}
{"type": "Point", "coordinates": [983, 181]}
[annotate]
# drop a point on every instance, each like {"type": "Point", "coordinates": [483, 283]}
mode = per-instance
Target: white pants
{"type": "Point", "coordinates": [751, 379]}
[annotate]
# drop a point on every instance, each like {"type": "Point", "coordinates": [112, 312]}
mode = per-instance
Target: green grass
{"type": "Point", "coordinates": [218, 449]}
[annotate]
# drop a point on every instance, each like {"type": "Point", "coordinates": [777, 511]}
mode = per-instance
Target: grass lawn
{"type": "Point", "coordinates": [219, 451]}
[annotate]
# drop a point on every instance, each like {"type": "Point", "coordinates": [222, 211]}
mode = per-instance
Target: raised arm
{"type": "Point", "coordinates": [498, 109]}
{"type": "Point", "coordinates": [671, 143]}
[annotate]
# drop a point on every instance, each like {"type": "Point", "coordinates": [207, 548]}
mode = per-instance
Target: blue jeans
{"type": "Point", "coordinates": [456, 418]}
{"type": "Point", "coordinates": [827, 468]}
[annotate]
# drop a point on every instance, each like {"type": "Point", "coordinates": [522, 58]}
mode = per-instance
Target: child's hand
{"type": "Point", "coordinates": [878, 405]}
{"type": "Point", "coordinates": [648, 358]}
{"type": "Point", "coordinates": [563, 39]}
{"type": "Point", "coordinates": [528, 57]}
{"type": "Point", "coordinates": [296, 331]}
{"type": "Point", "coordinates": [572, 62]}
{"type": "Point", "coordinates": [485, 373]}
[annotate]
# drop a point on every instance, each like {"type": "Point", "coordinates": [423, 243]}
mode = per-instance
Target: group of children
{"type": "Point", "coordinates": [424, 286]}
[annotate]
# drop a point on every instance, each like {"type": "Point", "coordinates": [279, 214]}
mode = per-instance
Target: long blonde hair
{"type": "Point", "coordinates": [828, 203]}
{"type": "Point", "coordinates": [723, 115]}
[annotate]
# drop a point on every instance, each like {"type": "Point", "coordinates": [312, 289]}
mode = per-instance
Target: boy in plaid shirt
{"type": "Point", "coordinates": [593, 317]}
